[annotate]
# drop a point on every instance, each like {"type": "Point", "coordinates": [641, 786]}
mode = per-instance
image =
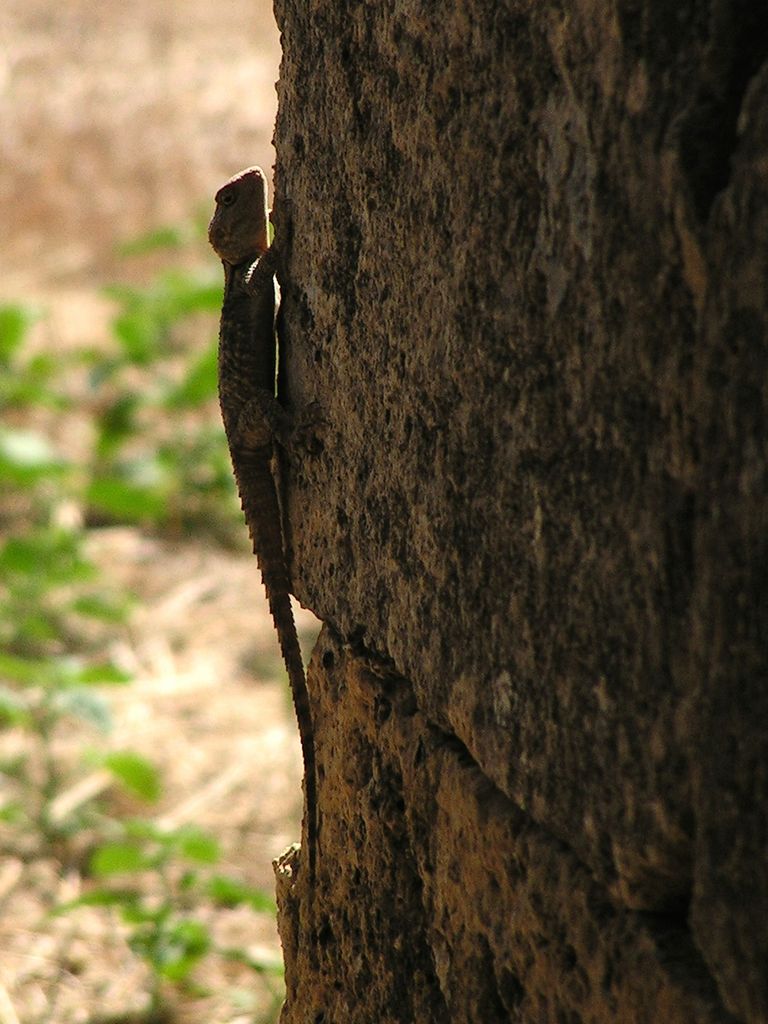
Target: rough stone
{"type": "Point", "coordinates": [525, 278]}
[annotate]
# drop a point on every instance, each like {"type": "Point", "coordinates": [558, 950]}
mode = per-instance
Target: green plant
{"type": "Point", "coordinates": [24, 380]}
{"type": "Point", "coordinates": [162, 882]}
{"type": "Point", "coordinates": [150, 451]}
{"type": "Point", "coordinates": [49, 693]}
{"type": "Point", "coordinates": [50, 593]}
{"type": "Point", "coordinates": [159, 456]}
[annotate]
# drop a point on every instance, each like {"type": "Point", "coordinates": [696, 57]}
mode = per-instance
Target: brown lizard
{"type": "Point", "coordinates": [254, 421]}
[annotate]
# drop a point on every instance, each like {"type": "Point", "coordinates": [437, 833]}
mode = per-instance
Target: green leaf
{"type": "Point", "coordinates": [15, 321]}
{"type": "Point", "coordinates": [198, 846]}
{"type": "Point", "coordinates": [53, 555]}
{"type": "Point", "coordinates": [184, 292]}
{"type": "Point", "coordinates": [26, 448]}
{"type": "Point", "coordinates": [41, 368]}
{"type": "Point", "coordinates": [143, 326]}
{"type": "Point", "coordinates": [139, 333]}
{"type": "Point", "coordinates": [167, 237]}
{"type": "Point", "coordinates": [27, 456]}
{"type": "Point", "coordinates": [126, 501]}
{"type": "Point", "coordinates": [15, 767]}
{"type": "Point", "coordinates": [27, 671]}
{"type": "Point", "coordinates": [99, 898]}
{"type": "Point", "coordinates": [12, 812]}
{"type": "Point", "coordinates": [229, 892]}
{"type": "Point", "coordinates": [200, 383]}
{"type": "Point", "coordinates": [105, 673]}
{"type": "Point", "coordinates": [103, 608]}
{"type": "Point", "coordinates": [136, 773]}
{"type": "Point", "coordinates": [62, 671]}
{"type": "Point", "coordinates": [179, 948]}
{"type": "Point", "coordinates": [143, 829]}
{"type": "Point", "coordinates": [119, 859]}
{"type": "Point", "coordinates": [33, 628]}
{"type": "Point", "coordinates": [139, 913]}
{"type": "Point", "coordinates": [30, 384]}
{"type": "Point", "coordinates": [14, 709]}
{"type": "Point", "coordinates": [117, 423]}
{"type": "Point", "coordinates": [188, 881]}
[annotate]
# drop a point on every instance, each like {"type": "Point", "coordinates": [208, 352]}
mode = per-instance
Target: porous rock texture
{"type": "Point", "coordinates": [525, 278]}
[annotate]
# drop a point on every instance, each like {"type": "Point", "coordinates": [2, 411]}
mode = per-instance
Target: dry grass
{"type": "Point", "coordinates": [117, 118]}
{"type": "Point", "coordinates": [210, 708]}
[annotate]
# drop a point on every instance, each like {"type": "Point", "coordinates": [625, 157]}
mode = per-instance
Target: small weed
{"type": "Point", "coordinates": [168, 921]}
{"type": "Point", "coordinates": [159, 457]}
{"type": "Point", "coordinates": [153, 454]}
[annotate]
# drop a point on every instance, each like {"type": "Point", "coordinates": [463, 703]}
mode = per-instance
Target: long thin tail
{"type": "Point", "coordinates": [258, 496]}
{"type": "Point", "coordinates": [282, 616]}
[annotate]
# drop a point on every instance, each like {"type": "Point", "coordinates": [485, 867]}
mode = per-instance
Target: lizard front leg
{"type": "Point", "coordinates": [260, 276]}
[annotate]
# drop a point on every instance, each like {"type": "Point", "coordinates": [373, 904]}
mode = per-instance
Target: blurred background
{"type": "Point", "coordinates": [149, 760]}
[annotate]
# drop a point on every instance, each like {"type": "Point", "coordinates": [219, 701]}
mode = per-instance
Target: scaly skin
{"type": "Point", "coordinates": [254, 420]}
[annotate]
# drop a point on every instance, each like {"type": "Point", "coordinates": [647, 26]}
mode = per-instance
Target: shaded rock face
{"type": "Point", "coordinates": [526, 278]}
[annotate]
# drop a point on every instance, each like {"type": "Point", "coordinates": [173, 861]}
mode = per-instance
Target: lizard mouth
{"type": "Point", "coordinates": [230, 247]}
{"type": "Point", "coordinates": [217, 238]}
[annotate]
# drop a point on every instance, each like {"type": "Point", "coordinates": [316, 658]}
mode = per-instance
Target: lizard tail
{"type": "Point", "coordinates": [258, 496]}
{"type": "Point", "coordinates": [282, 616]}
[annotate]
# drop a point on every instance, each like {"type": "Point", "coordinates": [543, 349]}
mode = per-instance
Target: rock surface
{"type": "Point", "coordinates": [526, 273]}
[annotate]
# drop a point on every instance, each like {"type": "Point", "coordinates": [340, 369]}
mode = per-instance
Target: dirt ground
{"type": "Point", "coordinates": [117, 118]}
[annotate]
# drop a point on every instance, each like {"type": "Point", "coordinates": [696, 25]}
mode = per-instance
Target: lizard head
{"type": "Point", "coordinates": [238, 228]}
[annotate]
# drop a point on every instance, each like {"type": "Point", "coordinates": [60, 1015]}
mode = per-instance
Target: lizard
{"type": "Point", "coordinates": [255, 423]}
